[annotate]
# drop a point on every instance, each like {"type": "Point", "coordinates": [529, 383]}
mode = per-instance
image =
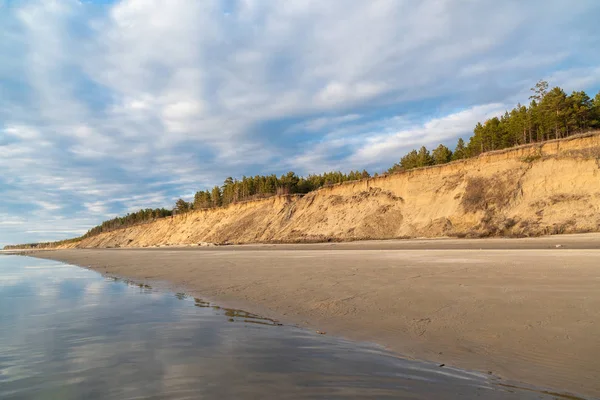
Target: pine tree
{"type": "Point", "coordinates": [554, 106]}
{"type": "Point", "coordinates": [424, 159]}
{"type": "Point", "coordinates": [410, 161]}
{"type": "Point", "coordinates": [459, 151]}
{"type": "Point", "coordinates": [441, 155]}
{"type": "Point", "coordinates": [539, 91]}
{"type": "Point", "coordinates": [216, 197]}
{"type": "Point", "coordinates": [182, 206]}
{"type": "Point", "coordinates": [596, 112]}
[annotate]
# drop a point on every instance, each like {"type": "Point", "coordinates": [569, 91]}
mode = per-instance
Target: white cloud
{"type": "Point", "coordinates": [96, 207]}
{"type": "Point", "coordinates": [22, 132]}
{"type": "Point", "coordinates": [7, 220]}
{"type": "Point", "coordinates": [47, 206]}
{"type": "Point", "coordinates": [390, 146]}
{"type": "Point", "coordinates": [320, 123]}
{"type": "Point", "coordinates": [524, 61]}
{"type": "Point", "coordinates": [576, 79]}
{"type": "Point", "coordinates": [336, 93]}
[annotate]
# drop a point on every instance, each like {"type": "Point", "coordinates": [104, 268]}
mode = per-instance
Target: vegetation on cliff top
{"type": "Point", "coordinates": [551, 114]}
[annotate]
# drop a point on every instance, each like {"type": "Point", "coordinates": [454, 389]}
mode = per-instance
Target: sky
{"type": "Point", "coordinates": [107, 107]}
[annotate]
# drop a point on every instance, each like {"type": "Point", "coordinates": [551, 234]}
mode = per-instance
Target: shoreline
{"type": "Point", "coordinates": [522, 309]}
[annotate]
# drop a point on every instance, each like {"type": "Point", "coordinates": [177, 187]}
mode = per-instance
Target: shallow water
{"type": "Point", "coordinates": [70, 333]}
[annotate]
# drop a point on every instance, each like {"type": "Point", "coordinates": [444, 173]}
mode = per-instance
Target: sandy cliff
{"type": "Point", "coordinates": [549, 188]}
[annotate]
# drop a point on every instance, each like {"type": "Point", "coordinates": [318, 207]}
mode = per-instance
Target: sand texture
{"type": "Point", "coordinates": [524, 309]}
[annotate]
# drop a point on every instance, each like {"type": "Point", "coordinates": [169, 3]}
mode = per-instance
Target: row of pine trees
{"type": "Point", "coordinates": [261, 186]}
{"type": "Point", "coordinates": [551, 114]}
{"type": "Point", "coordinates": [145, 215]}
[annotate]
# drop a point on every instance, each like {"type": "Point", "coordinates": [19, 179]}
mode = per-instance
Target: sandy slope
{"type": "Point", "coordinates": [527, 315]}
{"type": "Point", "coordinates": [533, 190]}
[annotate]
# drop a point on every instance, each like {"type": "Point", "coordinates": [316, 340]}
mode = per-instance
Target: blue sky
{"type": "Point", "coordinates": [110, 106]}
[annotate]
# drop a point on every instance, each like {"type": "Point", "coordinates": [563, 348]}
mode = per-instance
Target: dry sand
{"type": "Point", "coordinates": [523, 309]}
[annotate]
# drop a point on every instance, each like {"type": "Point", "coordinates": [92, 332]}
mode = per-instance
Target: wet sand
{"type": "Point", "coordinates": [522, 309]}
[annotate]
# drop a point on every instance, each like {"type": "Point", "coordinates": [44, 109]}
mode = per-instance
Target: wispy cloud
{"type": "Point", "coordinates": [388, 147]}
{"type": "Point", "coordinates": [110, 107]}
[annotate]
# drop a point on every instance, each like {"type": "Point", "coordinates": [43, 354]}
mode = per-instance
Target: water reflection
{"type": "Point", "coordinates": [233, 314]}
{"type": "Point", "coordinates": [69, 333]}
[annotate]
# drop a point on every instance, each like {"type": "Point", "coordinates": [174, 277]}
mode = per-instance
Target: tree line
{"type": "Point", "coordinates": [135, 218]}
{"type": "Point", "coordinates": [261, 186]}
{"type": "Point", "coordinates": [232, 191]}
{"type": "Point", "coordinates": [551, 114]}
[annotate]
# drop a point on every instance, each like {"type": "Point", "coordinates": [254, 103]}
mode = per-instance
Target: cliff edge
{"type": "Point", "coordinates": [546, 188]}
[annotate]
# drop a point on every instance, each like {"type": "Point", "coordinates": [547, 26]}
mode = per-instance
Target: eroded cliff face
{"type": "Point", "coordinates": [532, 190]}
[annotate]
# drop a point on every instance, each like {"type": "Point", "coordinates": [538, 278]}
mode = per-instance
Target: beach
{"type": "Point", "coordinates": [526, 310]}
